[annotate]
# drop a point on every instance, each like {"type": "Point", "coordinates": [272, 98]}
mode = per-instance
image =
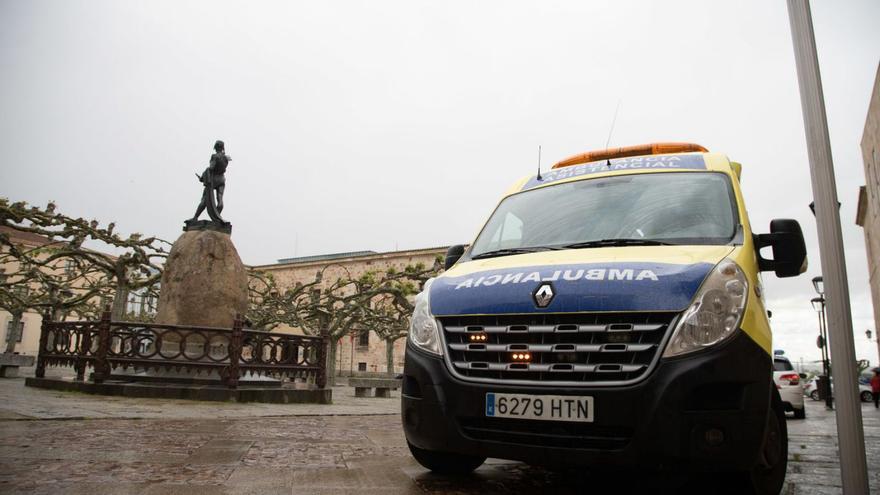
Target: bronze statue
{"type": "Point", "coordinates": [214, 180]}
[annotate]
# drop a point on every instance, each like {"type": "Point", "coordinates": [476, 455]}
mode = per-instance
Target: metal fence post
{"type": "Point", "coordinates": [40, 372]}
{"type": "Point", "coordinates": [82, 353]}
{"type": "Point", "coordinates": [102, 366]}
{"type": "Point", "coordinates": [234, 353]}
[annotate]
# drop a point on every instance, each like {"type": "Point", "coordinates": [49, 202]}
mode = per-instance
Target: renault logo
{"type": "Point", "coordinates": [543, 295]}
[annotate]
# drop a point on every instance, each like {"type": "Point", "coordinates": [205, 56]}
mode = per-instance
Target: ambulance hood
{"type": "Point", "coordinates": [631, 278]}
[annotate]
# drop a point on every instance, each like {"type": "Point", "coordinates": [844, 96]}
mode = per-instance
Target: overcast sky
{"type": "Point", "coordinates": [397, 125]}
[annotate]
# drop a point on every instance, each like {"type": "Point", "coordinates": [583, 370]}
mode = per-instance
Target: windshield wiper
{"type": "Point", "coordinates": [616, 242]}
{"type": "Point", "coordinates": [509, 251]}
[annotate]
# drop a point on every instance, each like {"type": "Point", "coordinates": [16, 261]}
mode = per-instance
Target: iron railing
{"type": "Point", "coordinates": [232, 353]}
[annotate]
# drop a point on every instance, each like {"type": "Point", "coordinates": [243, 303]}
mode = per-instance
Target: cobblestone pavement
{"type": "Point", "coordinates": [182, 447]}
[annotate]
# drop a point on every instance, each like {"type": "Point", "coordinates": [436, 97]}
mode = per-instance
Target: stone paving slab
{"type": "Point", "coordinates": [181, 447]}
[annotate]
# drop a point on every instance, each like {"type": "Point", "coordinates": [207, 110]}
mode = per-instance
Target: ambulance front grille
{"type": "Point", "coordinates": [579, 348]}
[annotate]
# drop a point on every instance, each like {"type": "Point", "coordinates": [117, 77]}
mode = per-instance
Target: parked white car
{"type": "Point", "coordinates": [791, 388]}
{"type": "Point", "coordinates": [812, 391]}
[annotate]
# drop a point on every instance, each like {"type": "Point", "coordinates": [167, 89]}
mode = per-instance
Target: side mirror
{"type": "Point", "coordinates": [453, 254]}
{"type": "Point", "coordinates": [789, 250]}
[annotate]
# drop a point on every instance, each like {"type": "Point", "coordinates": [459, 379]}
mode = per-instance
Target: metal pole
{"type": "Point", "coordinates": [829, 397]}
{"type": "Point", "coordinates": [822, 345]}
{"type": "Point", "coordinates": [877, 338]}
{"type": "Point", "coordinates": [851, 437]}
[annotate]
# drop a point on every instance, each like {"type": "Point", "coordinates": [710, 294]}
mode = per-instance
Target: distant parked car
{"type": "Point", "coordinates": [811, 389]}
{"type": "Point", "coordinates": [791, 389]}
{"type": "Point", "coordinates": [812, 392]}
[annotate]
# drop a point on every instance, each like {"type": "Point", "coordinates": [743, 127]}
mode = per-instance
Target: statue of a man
{"type": "Point", "coordinates": [214, 179]}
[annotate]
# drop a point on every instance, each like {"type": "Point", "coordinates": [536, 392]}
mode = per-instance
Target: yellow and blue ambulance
{"type": "Point", "coordinates": [609, 313]}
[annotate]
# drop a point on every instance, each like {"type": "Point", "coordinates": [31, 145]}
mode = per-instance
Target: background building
{"type": "Point", "coordinates": [28, 333]}
{"type": "Point", "coordinates": [868, 213]}
{"type": "Point", "coordinates": [362, 352]}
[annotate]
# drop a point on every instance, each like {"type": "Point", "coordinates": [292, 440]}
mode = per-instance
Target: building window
{"type": "Point", "coordinates": [364, 339]}
{"type": "Point", "coordinates": [14, 333]}
{"type": "Point", "coordinates": [141, 303]}
{"type": "Point", "coordinates": [69, 266]}
{"type": "Point", "coordinates": [362, 366]}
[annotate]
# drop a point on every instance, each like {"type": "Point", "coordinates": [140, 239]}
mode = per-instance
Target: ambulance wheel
{"type": "Point", "coordinates": [768, 474]}
{"type": "Point", "coordinates": [445, 462]}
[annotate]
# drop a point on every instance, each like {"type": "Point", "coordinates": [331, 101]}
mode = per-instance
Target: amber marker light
{"type": "Point", "coordinates": [522, 356]}
{"type": "Point", "coordinates": [478, 337]}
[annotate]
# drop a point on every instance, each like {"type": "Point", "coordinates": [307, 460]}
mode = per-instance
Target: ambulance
{"type": "Point", "coordinates": [609, 314]}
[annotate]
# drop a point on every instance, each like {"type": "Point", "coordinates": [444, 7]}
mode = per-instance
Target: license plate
{"type": "Point", "coordinates": [543, 407]}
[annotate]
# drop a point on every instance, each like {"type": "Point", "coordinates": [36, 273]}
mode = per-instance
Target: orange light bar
{"type": "Point", "coordinates": [639, 150]}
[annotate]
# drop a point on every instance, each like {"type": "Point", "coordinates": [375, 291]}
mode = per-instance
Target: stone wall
{"type": "Point", "coordinates": [869, 202]}
{"type": "Point", "coordinates": [30, 341]}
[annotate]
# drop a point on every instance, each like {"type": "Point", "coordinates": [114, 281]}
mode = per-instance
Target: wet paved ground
{"type": "Point", "coordinates": [53, 442]}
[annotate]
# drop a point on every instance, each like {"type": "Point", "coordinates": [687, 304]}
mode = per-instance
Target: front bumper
{"type": "Point", "coordinates": [670, 419]}
{"type": "Point", "coordinates": [792, 397]}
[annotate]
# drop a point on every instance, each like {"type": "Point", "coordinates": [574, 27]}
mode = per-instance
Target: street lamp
{"type": "Point", "coordinates": [868, 334]}
{"type": "Point", "coordinates": [819, 285]}
{"type": "Point", "coordinates": [819, 306]}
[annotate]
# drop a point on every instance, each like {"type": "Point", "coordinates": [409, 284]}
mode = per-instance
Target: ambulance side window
{"type": "Point", "coordinates": [509, 235]}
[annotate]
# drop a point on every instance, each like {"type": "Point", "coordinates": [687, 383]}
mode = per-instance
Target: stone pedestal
{"type": "Point", "coordinates": [204, 282]}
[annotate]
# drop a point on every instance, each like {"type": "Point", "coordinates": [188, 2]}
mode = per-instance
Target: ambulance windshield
{"type": "Point", "coordinates": [642, 209]}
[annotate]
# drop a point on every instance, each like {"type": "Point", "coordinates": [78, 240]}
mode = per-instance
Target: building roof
{"type": "Point", "coordinates": [352, 256]}
{"type": "Point", "coordinates": [326, 257]}
{"type": "Point", "coordinates": [20, 237]}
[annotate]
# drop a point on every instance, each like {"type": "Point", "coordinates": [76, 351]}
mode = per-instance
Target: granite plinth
{"type": "Point", "coordinates": [204, 282]}
{"type": "Point", "coordinates": [188, 378]}
{"type": "Point", "coordinates": [287, 394]}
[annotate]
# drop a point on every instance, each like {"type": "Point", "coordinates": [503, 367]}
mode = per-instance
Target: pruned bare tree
{"type": "Point", "coordinates": [270, 305]}
{"type": "Point", "coordinates": [34, 279]}
{"type": "Point", "coordinates": [136, 264]}
{"type": "Point", "coordinates": [393, 308]}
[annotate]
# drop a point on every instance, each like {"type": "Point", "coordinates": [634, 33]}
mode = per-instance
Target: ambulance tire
{"type": "Point", "coordinates": [446, 462]}
{"type": "Point", "coordinates": [768, 475]}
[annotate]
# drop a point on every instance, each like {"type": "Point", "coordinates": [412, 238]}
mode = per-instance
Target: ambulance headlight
{"type": "Point", "coordinates": [715, 312]}
{"type": "Point", "coordinates": [423, 330]}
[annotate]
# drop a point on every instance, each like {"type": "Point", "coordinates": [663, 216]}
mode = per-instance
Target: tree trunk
{"type": "Point", "coordinates": [13, 328]}
{"type": "Point", "coordinates": [331, 363]}
{"type": "Point", "coordinates": [120, 300]}
{"type": "Point", "coordinates": [57, 313]}
{"type": "Point", "coordinates": [389, 356]}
